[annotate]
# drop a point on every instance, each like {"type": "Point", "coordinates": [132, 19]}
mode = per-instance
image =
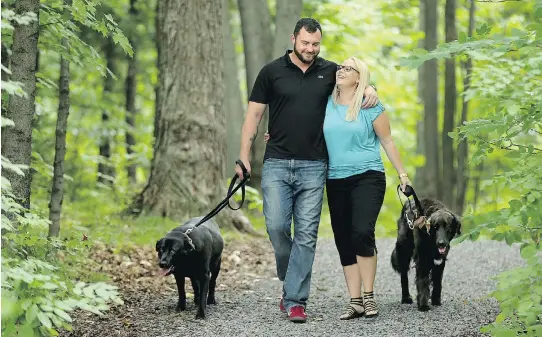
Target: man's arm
{"type": "Point", "coordinates": [371, 97]}
{"type": "Point", "coordinates": [249, 131]}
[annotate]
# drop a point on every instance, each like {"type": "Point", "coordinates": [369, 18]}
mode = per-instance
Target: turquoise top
{"type": "Point", "coordinates": [352, 147]}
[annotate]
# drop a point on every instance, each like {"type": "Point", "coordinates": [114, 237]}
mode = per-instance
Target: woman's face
{"type": "Point", "coordinates": [347, 74]}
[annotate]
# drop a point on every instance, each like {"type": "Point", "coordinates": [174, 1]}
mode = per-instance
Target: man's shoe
{"type": "Point", "coordinates": [297, 314]}
{"type": "Point", "coordinates": [281, 305]}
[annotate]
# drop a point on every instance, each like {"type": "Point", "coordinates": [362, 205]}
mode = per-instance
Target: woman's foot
{"type": "Point", "coordinates": [354, 309]}
{"type": "Point", "coordinates": [369, 303]}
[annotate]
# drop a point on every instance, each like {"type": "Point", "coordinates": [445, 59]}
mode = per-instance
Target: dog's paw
{"type": "Point", "coordinates": [423, 307]}
{"type": "Point", "coordinates": [436, 301]}
{"type": "Point", "coordinates": [200, 315]}
{"type": "Point", "coordinates": [211, 300]}
{"type": "Point", "coordinates": [180, 307]}
{"type": "Point", "coordinates": [407, 300]}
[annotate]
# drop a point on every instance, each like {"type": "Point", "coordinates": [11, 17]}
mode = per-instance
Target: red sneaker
{"type": "Point", "coordinates": [281, 305]}
{"type": "Point", "coordinates": [297, 314]}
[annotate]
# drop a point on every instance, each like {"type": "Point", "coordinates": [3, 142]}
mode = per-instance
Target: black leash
{"type": "Point", "coordinates": [231, 192]}
{"type": "Point", "coordinates": [418, 211]}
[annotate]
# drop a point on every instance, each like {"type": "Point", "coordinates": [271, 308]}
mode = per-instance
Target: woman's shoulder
{"type": "Point", "coordinates": [377, 108]}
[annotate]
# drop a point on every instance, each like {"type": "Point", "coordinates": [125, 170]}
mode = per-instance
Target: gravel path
{"type": "Point", "coordinates": [464, 310]}
{"type": "Point", "coordinates": [467, 281]}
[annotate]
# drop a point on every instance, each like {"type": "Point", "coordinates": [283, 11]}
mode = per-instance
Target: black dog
{"type": "Point", "coordinates": [196, 255]}
{"type": "Point", "coordinates": [430, 244]}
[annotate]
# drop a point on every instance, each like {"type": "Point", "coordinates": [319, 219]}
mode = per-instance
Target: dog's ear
{"type": "Point", "coordinates": [457, 225]}
{"type": "Point", "coordinates": [159, 244]}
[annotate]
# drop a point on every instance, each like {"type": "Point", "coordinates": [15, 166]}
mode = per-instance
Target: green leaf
{"type": "Point", "coordinates": [515, 204]}
{"type": "Point", "coordinates": [474, 235]}
{"type": "Point", "coordinates": [49, 286]}
{"type": "Point", "coordinates": [32, 313]}
{"type": "Point", "coordinates": [26, 329]}
{"type": "Point", "coordinates": [62, 314]}
{"type": "Point", "coordinates": [509, 238]}
{"type": "Point", "coordinates": [44, 319]}
{"type": "Point", "coordinates": [89, 292]}
{"type": "Point", "coordinates": [527, 251]}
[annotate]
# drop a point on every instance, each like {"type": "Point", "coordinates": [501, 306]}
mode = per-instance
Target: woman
{"type": "Point", "coordinates": [356, 181]}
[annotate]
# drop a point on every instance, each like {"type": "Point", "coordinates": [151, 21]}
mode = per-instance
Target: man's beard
{"type": "Point", "coordinates": [302, 58]}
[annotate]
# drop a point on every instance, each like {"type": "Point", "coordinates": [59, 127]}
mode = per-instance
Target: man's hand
{"type": "Point", "coordinates": [371, 98]}
{"type": "Point", "coordinates": [238, 169]}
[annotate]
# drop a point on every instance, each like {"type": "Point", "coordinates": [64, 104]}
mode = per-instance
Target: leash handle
{"type": "Point", "coordinates": [409, 191]}
{"type": "Point", "coordinates": [246, 175]}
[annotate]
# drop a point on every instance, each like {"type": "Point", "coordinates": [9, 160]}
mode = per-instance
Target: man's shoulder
{"type": "Point", "coordinates": [277, 62]}
{"type": "Point", "coordinates": [326, 63]}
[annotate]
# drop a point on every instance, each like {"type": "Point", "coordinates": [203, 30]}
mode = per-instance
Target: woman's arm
{"type": "Point", "coordinates": [382, 129]}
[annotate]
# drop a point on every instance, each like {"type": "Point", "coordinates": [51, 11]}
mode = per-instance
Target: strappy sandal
{"type": "Point", "coordinates": [369, 303]}
{"type": "Point", "coordinates": [354, 309]}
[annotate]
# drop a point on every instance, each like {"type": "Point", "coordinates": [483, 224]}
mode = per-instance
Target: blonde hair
{"type": "Point", "coordinates": [364, 77]}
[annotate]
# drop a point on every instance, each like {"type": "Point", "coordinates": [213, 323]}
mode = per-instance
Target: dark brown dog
{"type": "Point", "coordinates": [196, 255]}
{"type": "Point", "coordinates": [429, 246]}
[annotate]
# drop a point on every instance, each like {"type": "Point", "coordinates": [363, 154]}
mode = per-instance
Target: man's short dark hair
{"type": "Point", "coordinates": [310, 25]}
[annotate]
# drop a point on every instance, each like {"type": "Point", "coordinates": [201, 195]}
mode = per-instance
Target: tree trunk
{"type": "Point", "coordinates": [450, 98]}
{"type": "Point", "coordinates": [188, 171]}
{"type": "Point", "coordinates": [420, 182]}
{"type": "Point", "coordinates": [233, 104]}
{"type": "Point", "coordinates": [158, 99]}
{"type": "Point", "coordinates": [463, 148]}
{"type": "Point", "coordinates": [258, 49]}
{"type": "Point", "coordinates": [106, 172]}
{"type": "Point", "coordinates": [288, 13]}
{"type": "Point", "coordinates": [130, 93]}
{"type": "Point", "coordinates": [57, 191]}
{"type": "Point", "coordinates": [17, 140]}
{"type": "Point", "coordinates": [430, 98]}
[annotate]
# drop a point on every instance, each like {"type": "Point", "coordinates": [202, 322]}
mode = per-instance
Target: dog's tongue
{"type": "Point", "coordinates": [442, 250]}
{"type": "Point", "coordinates": [165, 271]}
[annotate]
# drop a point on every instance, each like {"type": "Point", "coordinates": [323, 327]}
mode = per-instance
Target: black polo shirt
{"type": "Point", "coordinates": [297, 106]}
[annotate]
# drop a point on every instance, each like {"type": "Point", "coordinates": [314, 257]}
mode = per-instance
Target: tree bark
{"type": "Point", "coordinates": [106, 172]}
{"type": "Point", "coordinates": [157, 100]}
{"type": "Point", "coordinates": [57, 191]}
{"type": "Point", "coordinates": [463, 148]}
{"type": "Point", "coordinates": [258, 50]}
{"type": "Point", "coordinates": [430, 98]}
{"type": "Point", "coordinates": [130, 94]}
{"type": "Point", "coordinates": [17, 140]}
{"type": "Point", "coordinates": [188, 171]}
{"type": "Point", "coordinates": [233, 104]}
{"type": "Point", "coordinates": [420, 139]}
{"type": "Point", "coordinates": [288, 13]}
{"type": "Point", "coordinates": [450, 98]}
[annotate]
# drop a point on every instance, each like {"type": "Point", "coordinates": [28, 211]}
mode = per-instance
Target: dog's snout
{"type": "Point", "coordinates": [441, 243]}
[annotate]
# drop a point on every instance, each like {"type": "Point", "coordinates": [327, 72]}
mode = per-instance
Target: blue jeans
{"type": "Point", "coordinates": [293, 189]}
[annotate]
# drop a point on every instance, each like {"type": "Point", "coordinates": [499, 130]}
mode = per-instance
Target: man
{"type": "Point", "coordinates": [296, 87]}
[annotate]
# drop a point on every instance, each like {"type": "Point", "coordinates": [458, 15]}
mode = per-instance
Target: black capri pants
{"type": "Point", "coordinates": [354, 204]}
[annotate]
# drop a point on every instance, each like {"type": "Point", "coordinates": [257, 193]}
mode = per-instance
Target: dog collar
{"type": "Point", "coordinates": [188, 231]}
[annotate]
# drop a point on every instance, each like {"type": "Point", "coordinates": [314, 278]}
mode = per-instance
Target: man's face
{"type": "Point", "coordinates": [307, 45]}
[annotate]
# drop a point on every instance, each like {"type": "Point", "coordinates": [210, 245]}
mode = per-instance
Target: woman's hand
{"type": "Point", "coordinates": [404, 182]}
{"type": "Point", "coordinates": [266, 137]}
